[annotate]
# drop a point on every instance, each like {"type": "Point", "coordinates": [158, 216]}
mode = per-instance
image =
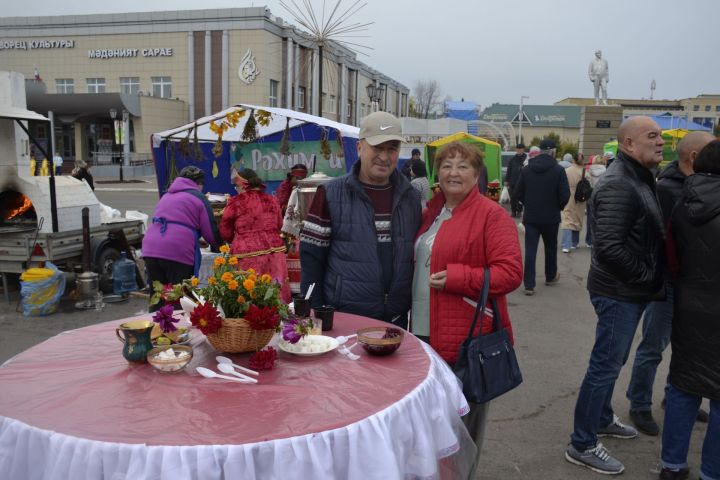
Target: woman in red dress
{"type": "Point", "coordinates": [251, 224]}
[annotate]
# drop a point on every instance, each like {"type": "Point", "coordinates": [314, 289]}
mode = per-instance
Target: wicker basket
{"type": "Point", "coordinates": [236, 336]}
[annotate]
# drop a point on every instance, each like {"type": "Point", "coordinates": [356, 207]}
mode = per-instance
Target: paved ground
{"type": "Point", "coordinates": [528, 428]}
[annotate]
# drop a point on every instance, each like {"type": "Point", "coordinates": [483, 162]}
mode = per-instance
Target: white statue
{"type": "Point", "coordinates": [599, 76]}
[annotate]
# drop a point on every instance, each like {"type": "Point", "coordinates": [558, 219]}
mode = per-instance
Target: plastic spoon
{"type": "Point", "coordinates": [221, 359]}
{"type": "Point", "coordinates": [346, 351]}
{"type": "Point", "coordinates": [309, 292]}
{"type": "Point", "coordinates": [207, 373]}
{"type": "Point", "coordinates": [342, 338]}
{"type": "Point", "coordinates": [227, 368]}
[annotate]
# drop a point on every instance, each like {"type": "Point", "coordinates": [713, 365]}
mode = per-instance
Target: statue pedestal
{"type": "Point", "coordinates": [598, 125]}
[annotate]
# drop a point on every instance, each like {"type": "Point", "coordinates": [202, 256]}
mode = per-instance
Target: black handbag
{"type": "Point", "coordinates": [486, 364]}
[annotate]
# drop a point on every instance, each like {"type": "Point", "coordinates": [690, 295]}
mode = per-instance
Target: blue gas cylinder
{"type": "Point", "coordinates": [124, 275]}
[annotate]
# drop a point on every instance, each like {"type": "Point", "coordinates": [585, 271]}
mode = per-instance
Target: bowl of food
{"type": "Point", "coordinates": [181, 336]}
{"type": "Point", "coordinates": [380, 341]}
{"type": "Point", "coordinates": [170, 358]}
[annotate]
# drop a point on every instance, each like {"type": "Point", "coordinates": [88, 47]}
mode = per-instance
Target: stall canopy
{"type": "Point", "coordinates": [489, 148]}
{"type": "Point", "coordinates": [274, 140]}
{"type": "Point", "coordinates": [671, 137]}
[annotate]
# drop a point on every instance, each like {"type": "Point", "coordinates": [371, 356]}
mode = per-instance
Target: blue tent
{"type": "Point", "coordinates": [461, 110]}
{"type": "Point", "coordinates": [177, 148]}
{"type": "Point", "coordinates": [669, 122]}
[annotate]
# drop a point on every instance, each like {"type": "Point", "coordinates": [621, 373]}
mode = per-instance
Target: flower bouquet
{"type": "Point", "coordinates": [238, 311]}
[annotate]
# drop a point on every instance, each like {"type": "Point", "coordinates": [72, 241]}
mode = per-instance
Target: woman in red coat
{"type": "Point", "coordinates": [462, 232]}
{"type": "Point", "coordinates": [251, 224]}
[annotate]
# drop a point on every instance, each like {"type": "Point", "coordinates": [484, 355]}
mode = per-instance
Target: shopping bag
{"type": "Point", "coordinates": [505, 195]}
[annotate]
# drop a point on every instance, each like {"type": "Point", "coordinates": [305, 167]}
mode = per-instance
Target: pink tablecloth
{"type": "Point", "coordinates": [79, 384]}
{"type": "Point", "coordinates": [72, 407]}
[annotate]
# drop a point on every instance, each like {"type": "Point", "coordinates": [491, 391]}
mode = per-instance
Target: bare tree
{"type": "Point", "coordinates": [427, 97]}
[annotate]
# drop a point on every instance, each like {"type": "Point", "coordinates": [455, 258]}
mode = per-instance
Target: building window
{"type": "Point", "coordinates": [64, 85]}
{"type": "Point", "coordinates": [330, 103]}
{"type": "Point", "coordinates": [717, 108]}
{"type": "Point", "coordinates": [707, 108]}
{"type": "Point", "coordinates": [130, 85]}
{"type": "Point", "coordinates": [349, 109]}
{"type": "Point", "coordinates": [301, 97]}
{"type": "Point", "coordinates": [96, 85]}
{"type": "Point", "coordinates": [274, 87]}
{"type": "Point", "coordinates": [696, 108]}
{"type": "Point", "coordinates": [161, 87]}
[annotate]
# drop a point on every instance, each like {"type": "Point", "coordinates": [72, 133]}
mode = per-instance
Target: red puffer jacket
{"type": "Point", "coordinates": [479, 233]}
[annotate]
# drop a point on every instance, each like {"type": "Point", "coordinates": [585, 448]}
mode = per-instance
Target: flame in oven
{"type": "Point", "coordinates": [21, 205]}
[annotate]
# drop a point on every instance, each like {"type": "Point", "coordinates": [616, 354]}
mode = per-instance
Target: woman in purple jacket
{"type": "Point", "coordinates": [171, 247]}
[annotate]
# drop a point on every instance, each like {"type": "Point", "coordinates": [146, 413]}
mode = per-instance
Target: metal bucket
{"type": "Point", "coordinates": [306, 191]}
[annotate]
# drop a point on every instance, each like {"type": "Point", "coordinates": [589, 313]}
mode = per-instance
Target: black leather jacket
{"type": "Point", "coordinates": [628, 258]}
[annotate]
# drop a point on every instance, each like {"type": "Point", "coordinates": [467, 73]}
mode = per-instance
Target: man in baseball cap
{"type": "Point", "coordinates": [357, 239]}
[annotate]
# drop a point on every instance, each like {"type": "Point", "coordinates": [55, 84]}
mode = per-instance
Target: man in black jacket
{"type": "Point", "coordinates": [544, 191]}
{"type": "Point", "coordinates": [657, 321]}
{"type": "Point", "coordinates": [512, 176]}
{"type": "Point", "coordinates": [626, 272]}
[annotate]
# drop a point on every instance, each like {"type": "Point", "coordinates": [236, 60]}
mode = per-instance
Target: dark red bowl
{"type": "Point", "coordinates": [380, 341]}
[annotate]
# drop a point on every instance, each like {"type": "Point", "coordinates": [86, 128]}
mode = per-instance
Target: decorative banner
{"type": "Point", "coordinates": [119, 137]}
{"type": "Point", "coordinates": [265, 158]}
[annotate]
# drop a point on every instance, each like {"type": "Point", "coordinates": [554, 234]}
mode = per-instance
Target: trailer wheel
{"type": "Point", "coordinates": [104, 266]}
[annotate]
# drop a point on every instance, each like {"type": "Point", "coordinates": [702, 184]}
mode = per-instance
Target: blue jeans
{"type": "Point", "coordinates": [570, 239]}
{"type": "Point", "coordinates": [549, 234]}
{"type": "Point", "coordinates": [588, 225]}
{"type": "Point", "coordinates": [657, 324]}
{"type": "Point", "coordinates": [680, 413]}
{"type": "Point", "coordinates": [617, 322]}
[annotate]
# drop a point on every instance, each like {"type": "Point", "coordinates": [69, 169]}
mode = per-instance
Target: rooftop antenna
{"type": "Point", "coordinates": [652, 88]}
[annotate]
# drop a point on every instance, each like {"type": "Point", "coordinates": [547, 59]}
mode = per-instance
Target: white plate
{"type": "Point", "coordinates": [283, 345]}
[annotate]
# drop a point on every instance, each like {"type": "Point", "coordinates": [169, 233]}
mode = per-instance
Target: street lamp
{"type": "Point", "coordinates": [113, 115]}
{"type": "Point", "coordinates": [521, 118]}
{"type": "Point", "coordinates": [375, 93]}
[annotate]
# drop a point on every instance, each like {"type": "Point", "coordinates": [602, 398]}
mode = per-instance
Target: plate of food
{"type": "Point", "coordinates": [181, 336]}
{"type": "Point", "coordinates": [309, 345]}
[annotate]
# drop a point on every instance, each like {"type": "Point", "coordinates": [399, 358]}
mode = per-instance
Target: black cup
{"type": "Point", "coordinates": [326, 314]}
{"type": "Point", "coordinates": [302, 306]}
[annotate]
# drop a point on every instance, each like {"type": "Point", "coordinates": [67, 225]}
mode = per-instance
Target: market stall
{"type": "Point", "coordinates": [266, 139]}
{"type": "Point", "coordinates": [489, 148]}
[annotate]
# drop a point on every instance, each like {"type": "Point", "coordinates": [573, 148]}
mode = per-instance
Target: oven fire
{"type": "Point", "coordinates": [22, 205]}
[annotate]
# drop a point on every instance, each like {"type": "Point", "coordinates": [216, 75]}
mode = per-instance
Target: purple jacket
{"type": "Point", "coordinates": [178, 242]}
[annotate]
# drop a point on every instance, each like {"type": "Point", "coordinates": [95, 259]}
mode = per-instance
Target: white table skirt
{"type": "Point", "coordinates": [403, 441]}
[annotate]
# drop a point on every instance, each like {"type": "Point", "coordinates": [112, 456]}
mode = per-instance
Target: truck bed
{"type": "Point", "coordinates": [16, 243]}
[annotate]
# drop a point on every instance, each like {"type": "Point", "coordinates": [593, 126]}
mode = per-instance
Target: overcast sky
{"type": "Point", "coordinates": [496, 51]}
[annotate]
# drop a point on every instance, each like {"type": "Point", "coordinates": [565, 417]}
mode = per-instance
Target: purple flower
{"type": "Point", "coordinates": [293, 330]}
{"type": "Point", "coordinates": [164, 317]}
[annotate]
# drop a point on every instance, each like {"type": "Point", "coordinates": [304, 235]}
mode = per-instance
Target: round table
{"type": "Point", "coordinates": [72, 407]}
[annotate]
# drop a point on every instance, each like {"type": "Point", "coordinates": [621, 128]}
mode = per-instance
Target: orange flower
{"type": "Point", "coordinates": [224, 249]}
{"type": "Point", "coordinates": [233, 284]}
{"type": "Point", "coordinates": [251, 271]}
{"type": "Point", "coordinates": [226, 277]}
{"type": "Point", "coordinates": [194, 281]}
{"type": "Point", "coordinates": [266, 278]}
{"type": "Point", "coordinates": [252, 277]}
{"type": "Point", "coordinates": [240, 299]}
{"type": "Point", "coordinates": [219, 261]}
{"type": "Point", "coordinates": [249, 284]}
{"type": "Point", "coordinates": [212, 281]}
{"type": "Point", "coordinates": [233, 261]}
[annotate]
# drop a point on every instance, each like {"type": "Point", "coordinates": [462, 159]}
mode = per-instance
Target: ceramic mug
{"type": "Point", "coordinates": [136, 339]}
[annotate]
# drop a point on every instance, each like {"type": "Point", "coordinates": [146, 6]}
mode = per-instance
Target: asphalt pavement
{"type": "Point", "coordinates": [528, 428]}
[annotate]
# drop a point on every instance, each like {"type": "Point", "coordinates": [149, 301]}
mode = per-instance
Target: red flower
{"type": "Point", "coordinates": [264, 359]}
{"type": "Point", "coordinates": [206, 318]}
{"type": "Point", "coordinates": [264, 318]}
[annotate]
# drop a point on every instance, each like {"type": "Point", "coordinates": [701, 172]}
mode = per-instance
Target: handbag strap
{"type": "Point", "coordinates": [484, 292]}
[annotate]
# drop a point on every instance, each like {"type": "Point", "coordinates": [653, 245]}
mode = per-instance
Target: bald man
{"type": "Point", "coordinates": [626, 272]}
{"type": "Point", "coordinates": [657, 321]}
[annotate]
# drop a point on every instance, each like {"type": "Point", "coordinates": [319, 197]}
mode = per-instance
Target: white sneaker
{"type": "Point", "coordinates": [566, 250]}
